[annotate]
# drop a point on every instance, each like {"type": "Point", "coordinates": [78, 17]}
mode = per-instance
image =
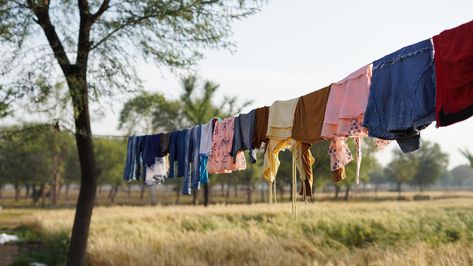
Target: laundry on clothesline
{"type": "Point", "coordinates": [391, 99]}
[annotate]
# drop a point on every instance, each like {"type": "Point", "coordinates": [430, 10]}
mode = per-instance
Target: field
{"type": "Point", "coordinates": [435, 232]}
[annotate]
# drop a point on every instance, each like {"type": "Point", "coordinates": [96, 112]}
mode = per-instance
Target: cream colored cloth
{"type": "Point", "coordinates": [281, 119]}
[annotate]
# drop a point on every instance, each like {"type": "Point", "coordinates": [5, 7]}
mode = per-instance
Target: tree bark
{"type": "Point", "coordinates": [17, 191]}
{"type": "Point", "coordinates": [347, 191]}
{"type": "Point", "coordinates": [27, 192]}
{"type": "Point", "coordinates": [67, 191]}
{"type": "Point", "coordinates": [227, 196]}
{"type": "Point", "coordinates": [399, 184]}
{"type": "Point", "coordinates": [262, 192]}
{"type": "Point", "coordinates": [142, 191]}
{"type": "Point", "coordinates": [337, 191]}
{"type": "Point", "coordinates": [88, 166]}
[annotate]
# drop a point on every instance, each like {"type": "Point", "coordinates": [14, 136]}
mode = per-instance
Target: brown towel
{"type": "Point", "coordinates": [261, 126]}
{"type": "Point", "coordinates": [309, 116]}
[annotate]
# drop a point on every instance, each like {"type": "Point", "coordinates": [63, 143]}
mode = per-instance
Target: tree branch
{"type": "Point", "coordinates": [42, 18]}
{"type": "Point", "coordinates": [120, 27]}
{"type": "Point", "coordinates": [103, 7]}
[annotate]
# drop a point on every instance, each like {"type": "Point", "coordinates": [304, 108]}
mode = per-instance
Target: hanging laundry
{"type": "Point", "coordinates": [179, 152]}
{"type": "Point", "coordinates": [308, 118]}
{"type": "Point", "coordinates": [157, 172]}
{"type": "Point", "coordinates": [280, 122]}
{"type": "Point", "coordinates": [151, 149]}
{"type": "Point", "coordinates": [402, 96]}
{"type": "Point", "coordinates": [191, 178]}
{"type": "Point", "coordinates": [243, 136]}
{"type": "Point", "coordinates": [164, 143]}
{"type": "Point", "coordinates": [344, 117]}
{"type": "Point", "coordinates": [204, 150]}
{"type": "Point", "coordinates": [454, 74]}
{"type": "Point", "coordinates": [261, 127]}
{"type": "Point", "coordinates": [134, 166]}
{"type": "Point", "coordinates": [220, 160]}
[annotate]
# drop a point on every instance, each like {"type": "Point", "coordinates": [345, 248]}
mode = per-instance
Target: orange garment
{"type": "Point", "coordinates": [220, 160]}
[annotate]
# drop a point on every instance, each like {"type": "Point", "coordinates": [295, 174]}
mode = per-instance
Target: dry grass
{"type": "Point", "coordinates": [328, 233]}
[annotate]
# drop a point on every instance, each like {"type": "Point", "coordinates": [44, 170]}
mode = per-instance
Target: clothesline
{"type": "Point", "coordinates": [393, 98]}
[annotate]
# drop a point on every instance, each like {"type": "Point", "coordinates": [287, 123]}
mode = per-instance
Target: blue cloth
{"type": "Point", "coordinates": [203, 173]}
{"type": "Point", "coordinates": [244, 129]}
{"type": "Point", "coordinates": [402, 95]}
{"type": "Point", "coordinates": [178, 152]}
{"type": "Point", "coordinates": [152, 149]}
{"type": "Point", "coordinates": [134, 165]}
{"type": "Point", "coordinates": [128, 162]}
{"type": "Point", "coordinates": [191, 179]}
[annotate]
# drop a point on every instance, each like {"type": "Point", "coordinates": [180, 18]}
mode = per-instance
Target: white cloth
{"type": "Point", "coordinates": [4, 238]}
{"type": "Point", "coordinates": [156, 173]}
{"type": "Point", "coordinates": [281, 118]}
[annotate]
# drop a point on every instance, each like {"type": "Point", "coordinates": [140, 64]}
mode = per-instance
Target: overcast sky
{"type": "Point", "coordinates": [294, 47]}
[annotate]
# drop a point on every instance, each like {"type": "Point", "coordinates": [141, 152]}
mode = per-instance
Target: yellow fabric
{"type": "Point", "coordinates": [300, 158]}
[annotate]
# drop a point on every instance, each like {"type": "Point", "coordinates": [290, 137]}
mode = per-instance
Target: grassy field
{"type": "Point", "coordinates": [436, 232]}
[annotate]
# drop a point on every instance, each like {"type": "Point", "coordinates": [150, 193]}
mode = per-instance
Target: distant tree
{"type": "Point", "coordinates": [110, 154]}
{"type": "Point", "coordinates": [150, 112]}
{"type": "Point", "coordinates": [402, 168]}
{"type": "Point", "coordinates": [461, 175]}
{"type": "Point", "coordinates": [432, 163]}
{"type": "Point", "coordinates": [468, 155]}
{"type": "Point", "coordinates": [94, 47]}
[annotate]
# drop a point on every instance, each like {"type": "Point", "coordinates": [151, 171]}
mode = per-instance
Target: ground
{"type": "Point", "coordinates": [438, 232]}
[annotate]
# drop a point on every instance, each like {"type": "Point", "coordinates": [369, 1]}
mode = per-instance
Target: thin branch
{"type": "Point", "coordinates": [103, 7]}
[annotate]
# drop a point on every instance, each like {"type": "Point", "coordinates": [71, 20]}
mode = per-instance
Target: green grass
{"type": "Point", "coordinates": [375, 233]}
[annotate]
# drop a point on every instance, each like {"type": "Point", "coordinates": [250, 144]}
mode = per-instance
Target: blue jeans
{"type": "Point", "coordinates": [402, 95]}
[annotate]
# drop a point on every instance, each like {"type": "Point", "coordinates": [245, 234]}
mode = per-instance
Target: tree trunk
{"type": "Point", "coordinates": [206, 194]}
{"type": "Point", "coordinates": [281, 192]}
{"type": "Point", "coordinates": [42, 189]}
{"type": "Point", "coordinates": [100, 189]}
{"type": "Point", "coordinates": [347, 191]}
{"type": "Point", "coordinates": [249, 199]}
{"type": "Point", "coordinates": [227, 196]}
{"type": "Point", "coordinates": [178, 190]}
{"type": "Point", "coordinates": [152, 195]}
{"type": "Point", "coordinates": [129, 191]}
{"type": "Point", "coordinates": [235, 190]}
{"type": "Point", "coordinates": [262, 192]}
{"type": "Point", "coordinates": [85, 203]}
{"type": "Point", "coordinates": [113, 193]}
{"type": "Point", "coordinates": [399, 184]}
{"type": "Point", "coordinates": [337, 191]}
{"type": "Point", "coordinates": [27, 192]}
{"type": "Point", "coordinates": [56, 187]}
{"type": "Point", "coordinates": [142, 191]}
{"type": "Point", "coordinates": [17, 191]}
{"type": "Point", "coordinates": [421, 188]}
{"type": "Point", "coordinates": [67, 191]}
{"type": "Point", "coordinates": [222, 189]}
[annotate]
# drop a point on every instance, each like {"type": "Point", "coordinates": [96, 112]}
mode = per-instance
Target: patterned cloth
{"type": "Point", "coordinates": [220, 160]}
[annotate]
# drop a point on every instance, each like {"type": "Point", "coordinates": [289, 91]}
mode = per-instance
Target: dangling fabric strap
{"type": "Point", "coordinates": [358, 141]}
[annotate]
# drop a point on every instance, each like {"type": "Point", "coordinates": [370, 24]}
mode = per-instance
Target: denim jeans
{"type": "Point", "coordinates": [402, 95]}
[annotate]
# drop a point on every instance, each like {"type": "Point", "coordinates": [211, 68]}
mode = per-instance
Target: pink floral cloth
{"type": "Point", "coordinates": [344, 117]}
{"type": "Point", "coordinates": [220, 160]}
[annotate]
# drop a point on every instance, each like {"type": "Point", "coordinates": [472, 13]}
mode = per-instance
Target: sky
{"type": "Point", "coordinates": [291, 48]}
